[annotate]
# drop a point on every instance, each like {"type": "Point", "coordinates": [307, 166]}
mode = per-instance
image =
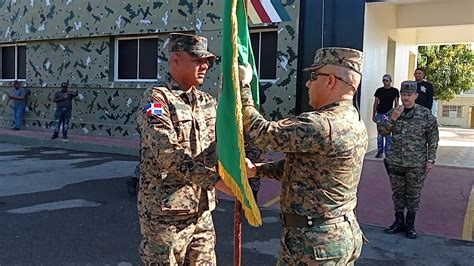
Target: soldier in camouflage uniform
{"type": "Point", "coordinates": [415, 141]}
{"type": "Point", "coordinates": [178, 161]}
{"type": "Point", "coordinates": [324, 151]}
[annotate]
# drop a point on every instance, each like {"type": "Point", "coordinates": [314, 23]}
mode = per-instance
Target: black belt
{"type": "Point", "coordinates": [295, 220]}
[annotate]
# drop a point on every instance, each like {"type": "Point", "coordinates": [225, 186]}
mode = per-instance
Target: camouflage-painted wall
{"type": "Point", "coordinates": [74, 40]}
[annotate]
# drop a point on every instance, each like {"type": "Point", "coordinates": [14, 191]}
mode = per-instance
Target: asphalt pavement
{"type": "Point", "coordinates": [62, 207]}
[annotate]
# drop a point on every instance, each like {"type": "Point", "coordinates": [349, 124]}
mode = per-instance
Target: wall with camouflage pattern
{"type": "Point", "coordinates": [74, 40]}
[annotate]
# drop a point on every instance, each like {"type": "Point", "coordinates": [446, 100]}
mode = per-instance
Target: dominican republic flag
{"type": "Point", "coordinates": [266, 11]}
{"type": "Point", "coordinates": [154, 109]}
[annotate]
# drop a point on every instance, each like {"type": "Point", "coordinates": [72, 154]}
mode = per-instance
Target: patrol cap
{"type": "Point", "coordinates": [387, 77]}
{"type": "Point", "coordinates": [338, 56]}
{"type": "Point", "coordinates": [193, 44]}
{"type": "Point", "coordinates": [408, 86]}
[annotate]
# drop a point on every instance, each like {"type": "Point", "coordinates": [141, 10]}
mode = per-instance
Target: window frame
{"type": "Point", "coordinates": [448, 108]}
{"type": "Point", "coordinates": [116, 59]}
{"type": "Point", "coordinates": [260, 31]}
{"type": "Point", "coordinates": [16, 45]}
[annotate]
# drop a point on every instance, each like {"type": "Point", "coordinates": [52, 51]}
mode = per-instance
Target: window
{"type": "Point", "coordinates": [264, 46]}
{"type": "Point", "coordinates": [13, 62]}
{"type": "Point", "coordinates": [136, 59]}
{"type": "Point", "coordinates": [453, 111]}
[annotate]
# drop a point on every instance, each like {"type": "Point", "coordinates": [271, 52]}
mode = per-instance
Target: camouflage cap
{"type": "Point", "coordinates": [408, 86]}
{"type": "Point", "coordinates": [193, 44]}
{"type": "Point", "coordinates": [345, 57]}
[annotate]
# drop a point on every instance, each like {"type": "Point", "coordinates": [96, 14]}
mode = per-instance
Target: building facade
{"type": "Point", "coordinates": [110, 51]}
{"type": "Point", "coordinates": [458, 112]}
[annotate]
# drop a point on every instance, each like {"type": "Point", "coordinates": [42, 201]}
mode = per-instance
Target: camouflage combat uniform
{"type": "Point", "coordinates": [255, 155]}
{"type": "Point", "coordinates": [415, 141]}
{"type": "Point", "coordinates": [178, 174]}
{"type": "Point", "coordinates": [324, 152]}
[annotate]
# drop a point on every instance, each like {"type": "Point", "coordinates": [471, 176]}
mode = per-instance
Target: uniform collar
{"type": "Point", "coordinates": [338, 103]}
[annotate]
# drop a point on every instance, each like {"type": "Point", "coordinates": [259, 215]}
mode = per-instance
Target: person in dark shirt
{"type": "Point", "coordinates": [425, 90]}
{"type": "Point", "coordinates": [63, 100]}
{"type": "Point", "coordinates": [386, 98]}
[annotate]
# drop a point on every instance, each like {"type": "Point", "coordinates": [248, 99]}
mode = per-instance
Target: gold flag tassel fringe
{"type": "Point", "coordinates": [252, 214]}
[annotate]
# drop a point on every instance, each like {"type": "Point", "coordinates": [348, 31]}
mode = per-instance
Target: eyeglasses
{"type": "Point", "coordinates": [314, 75]}
{"type": "Point", "coordinates": [208, 61]}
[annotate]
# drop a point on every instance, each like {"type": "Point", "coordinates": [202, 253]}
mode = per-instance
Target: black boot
{"type": "Point", "coordinates": [398, 225]}
{"type": "Point", "coordinates": [410, 228]}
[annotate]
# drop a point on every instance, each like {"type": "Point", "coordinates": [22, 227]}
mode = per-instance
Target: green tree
{"type": "Point", "coordinates": [450, 68]}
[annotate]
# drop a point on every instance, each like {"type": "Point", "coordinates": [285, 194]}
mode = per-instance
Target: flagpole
{"type": "Point", "coordinates": [238, 225]}
{"type": "Point", "coordinates": [237, 233]}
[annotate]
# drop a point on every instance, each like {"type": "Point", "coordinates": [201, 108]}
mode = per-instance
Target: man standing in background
{"type": "Point", "coordinates": [18, 95]}
{"type": "Point", "coordinates": [425, 90]}
{"type": "Point", "coordinates": [386, 98]}
{"type": "Point", "coordinates": [62, 115]}
{"type": "Point", "coordinates": [413, 153]}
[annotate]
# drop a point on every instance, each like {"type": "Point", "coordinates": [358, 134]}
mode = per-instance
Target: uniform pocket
{"type": "Point", "coordinates": [178, 198]}
{"type": "Point", "coordinates": [332, 242]}
{"type": "Point", "coordinates": [210, 124]}
{"type": "Point", "coordinates": [330, 251]}
{"type": "Point", "coordinates": [182, 123]}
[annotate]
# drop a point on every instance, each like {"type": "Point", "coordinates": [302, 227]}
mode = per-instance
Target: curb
{"type": "Point", "coordinates": [69, 145]}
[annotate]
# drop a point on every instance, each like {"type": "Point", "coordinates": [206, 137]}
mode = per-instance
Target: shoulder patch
{"type": "Point", "coordinates": [287, 122]}
{"type": "Point", "coordinates": [154, 109]}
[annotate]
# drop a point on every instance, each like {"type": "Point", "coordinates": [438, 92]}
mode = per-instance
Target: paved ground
{"type": "Point", "coordinates": [41, 138]}
{"type": "Point", "coordinates": [447, 206]}
{"type": "Point", "coordinates": [61, 207]}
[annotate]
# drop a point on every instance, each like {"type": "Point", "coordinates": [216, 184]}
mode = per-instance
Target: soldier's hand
{"type": "Point", "coordinates": [210, 155]}
{"type": "Point", "coordinates": [245, 74]}
{"type": "Point", "coordinates": [220, 185]}
{"type": "Point", "coordinates": [428, 167]}
{"type": "Point", "coordinates": [397, 112]}
{"type": "Point", "coordinates": [251, 168]}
